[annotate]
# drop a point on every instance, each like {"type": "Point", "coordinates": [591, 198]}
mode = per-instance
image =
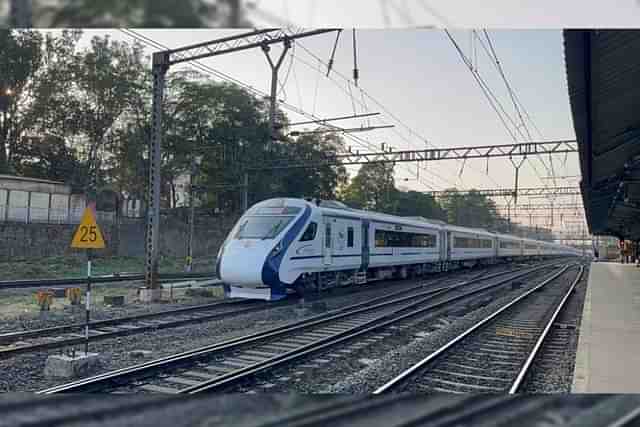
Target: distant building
{"type": "Point", "coordinates": [32, 200]}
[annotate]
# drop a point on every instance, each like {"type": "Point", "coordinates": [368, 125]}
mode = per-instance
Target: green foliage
{"type": "Point", "coordinates": [136, 13]}
{"type": "Point", "coordinates": [470, 210]}
{"type": "Point", "coordinates": [414, 203]}
{"type": "Point", "coordinates": [20, 60]}
{"type": "Point", "coordinates": [372, 188]}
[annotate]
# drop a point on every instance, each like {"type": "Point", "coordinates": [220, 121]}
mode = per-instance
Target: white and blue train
{"type": "Point", "coordinates": [300, 245]}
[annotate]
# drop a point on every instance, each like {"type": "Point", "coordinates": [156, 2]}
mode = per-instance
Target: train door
{"type": "Point", "coordinates": [365, 245]}
{"type": "Point", "coordinates": [327, 247]}
{"type": "Point", "coordinates": [442, 245]}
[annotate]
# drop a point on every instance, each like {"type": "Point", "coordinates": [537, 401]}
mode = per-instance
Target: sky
{"type": "Point", "coordinates": [507, 14]}
{"type": "Point", "coordinates": [416, 76]}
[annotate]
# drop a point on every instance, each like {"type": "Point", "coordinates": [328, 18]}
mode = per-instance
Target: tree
{"type": "Point", "coordinates": [372, 188]}
{"type": "Point", "coordinates": [106, 78]}
{"type": "Point", "coordinates": [469, 210]}
{"type": "Point", "coordinates": [48, 157]}
{"type": "Point", "coordinates": [20, 60]}
{"type": "Point", "coordinates": [142, 13]}
{"type": "Point", "coordinates": [320, 182]}
{"type": "Point", "coordinates": [414, 203]}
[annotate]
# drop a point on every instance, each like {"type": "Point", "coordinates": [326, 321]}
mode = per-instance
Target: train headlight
{"type": "Point", "coordinates": [277, 249]}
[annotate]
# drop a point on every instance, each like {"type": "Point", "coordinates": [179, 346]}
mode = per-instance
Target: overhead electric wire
{"type": "Point", "coordinates": [353, 99]}
{"type": "Point", "coordinates": [208, 70]}
{"type": "Point", "coordinates": [491, 53]}
{"type": "Point", "coordinates": [375, 101]}
{"type": "Point", "coordinates": [491, 98]}
{"type": "Point", "coordinates": [286, 105]}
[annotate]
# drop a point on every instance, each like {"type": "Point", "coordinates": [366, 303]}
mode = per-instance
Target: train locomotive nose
{"type": "Point", "coordinates": [242, 262]}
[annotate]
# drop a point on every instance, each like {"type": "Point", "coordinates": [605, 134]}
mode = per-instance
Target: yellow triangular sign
{"type": "Point", "coordinates": [88, 235]}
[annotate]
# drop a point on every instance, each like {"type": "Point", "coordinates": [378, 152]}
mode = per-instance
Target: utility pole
{"type": "Point", "coordinates": [275, 67]}
{"type": "Point", "coordinates": [195, 164]}
{"type": "Point", "coordinates": [273, 102]}
{"type": "Point", "coordinates": [160, 68]}
{"type": "Point", "coordinates": [245, 190]}
{"type": "Point", "coordinates": [21, 14]}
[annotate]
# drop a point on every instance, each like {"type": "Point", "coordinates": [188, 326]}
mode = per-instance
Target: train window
{"type": "Point", "coordinates": [262, 227]}
{"type": "Point", "coordinates": [350, 237]}
{"type": "Point", "coordinates": [310, 232]}
{"type": "Point", "coordinates": [399, 239]}
{"type": "Point", "coordinates": [471, 243]}
{"type": "Point", "coordinates": [505, 244]}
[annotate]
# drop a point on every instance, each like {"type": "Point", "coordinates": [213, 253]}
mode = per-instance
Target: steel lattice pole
{"type": "Point", "coordinates": [160, 67]}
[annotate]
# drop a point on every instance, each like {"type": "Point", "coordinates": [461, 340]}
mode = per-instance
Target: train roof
{"type": "Point", "coordinates": [340, 208]}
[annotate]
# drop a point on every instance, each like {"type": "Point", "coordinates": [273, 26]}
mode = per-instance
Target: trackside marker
{"type": "Point", "coordinates": [88, 236]}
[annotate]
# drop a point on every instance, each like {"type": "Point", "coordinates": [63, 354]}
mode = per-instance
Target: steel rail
{"type": "Point", "coordinates": [149, 368]}
{"type": "Point", "coordinates": [9, 337]}
{"type": "Point", "coordinates": [527, 364]}
{"type": "Point", "coordinates": [388, 386]}
{"type": "Point", "coordinates": [34, 283]}
{"type": "Point", "coordinates": [102, 335]}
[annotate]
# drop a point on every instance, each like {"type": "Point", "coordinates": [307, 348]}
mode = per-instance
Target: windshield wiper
{"type": "Point", "coordinates": [272, 231]}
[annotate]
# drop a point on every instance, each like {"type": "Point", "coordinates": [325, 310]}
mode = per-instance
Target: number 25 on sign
{"type": "Point", "coordinates": [88, 235]}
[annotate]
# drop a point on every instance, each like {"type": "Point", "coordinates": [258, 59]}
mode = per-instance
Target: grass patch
{"type": "Point", "coordinates": [67, 267]}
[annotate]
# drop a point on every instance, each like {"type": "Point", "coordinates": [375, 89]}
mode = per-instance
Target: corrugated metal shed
{"type": "Point", "coordinates": [603, 75]}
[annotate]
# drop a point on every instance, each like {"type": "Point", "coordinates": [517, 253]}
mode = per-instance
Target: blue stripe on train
{"type": "Point", "coordinates": [271, 267]}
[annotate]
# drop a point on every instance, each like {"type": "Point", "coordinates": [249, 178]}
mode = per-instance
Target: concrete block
{"type": "Point", "coordinates": [58, 292]}
{"type": "Point", "coordinates": [150, 295]}
{"type": "Point", "coordinates": [141, 353]}
{"type": "Point", "coordinates": [62, 366]}
{"type": "Point", "coordinates": [114, 300]}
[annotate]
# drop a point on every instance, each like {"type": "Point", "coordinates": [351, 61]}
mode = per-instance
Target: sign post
{"type": "Point", "coordinates": [88, 236]}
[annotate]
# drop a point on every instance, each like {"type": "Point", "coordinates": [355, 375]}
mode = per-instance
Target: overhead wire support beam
{"type": "Point", "coordinates": [505, 192]}
{"type": "Point", "coordinates": [333, 119]}
{"type": "Point", "coordinates": [430, 154]}
{"type": "Point", "coordinates": [340, 130]}
{"type": "Point", "coordinates": [240, 42]}
{"type": "Point", "coordinates": [542, 207]}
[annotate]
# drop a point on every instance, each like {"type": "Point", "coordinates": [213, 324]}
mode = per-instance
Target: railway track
{"type": "Point", "coordinates": [495, 354]}
{"type": "Point", "coordinates": [227, 363]}
{"type": "Point", "coordinates": [20, 342]}
{"type": "Point", "coordinates": [75, 281]}
{"type": "Point", "coordinates": [15, 343]}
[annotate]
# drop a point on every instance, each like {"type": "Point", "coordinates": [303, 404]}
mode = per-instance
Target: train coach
{"type": "Point", "coordinates": [301, 245]}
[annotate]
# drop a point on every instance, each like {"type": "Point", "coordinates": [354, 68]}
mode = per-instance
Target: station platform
{"type": "Point", "coordinates": [608, 356]}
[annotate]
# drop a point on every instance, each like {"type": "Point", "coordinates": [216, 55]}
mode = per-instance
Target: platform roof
{"type": "Point", "coordinates": [603, 76]}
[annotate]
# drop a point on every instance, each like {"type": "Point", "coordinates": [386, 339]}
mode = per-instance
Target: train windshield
{"type": "Point", "coordinates": [263, 226]}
